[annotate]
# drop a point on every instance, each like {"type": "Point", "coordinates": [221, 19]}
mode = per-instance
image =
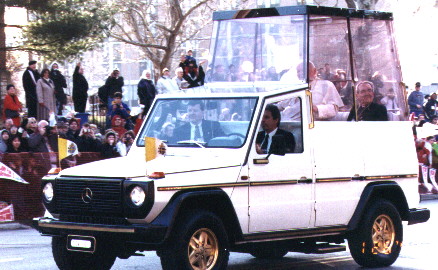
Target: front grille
{"type": "Point", "coordinates": [94, 220]}
{"type": "Point", "coordinates": [89, 197]}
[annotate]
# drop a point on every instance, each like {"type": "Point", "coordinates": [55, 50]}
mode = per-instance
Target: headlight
{"type": "Point", "coordinates": [137, 196]}
{"type": "Point", "coordinates": [48, 192]}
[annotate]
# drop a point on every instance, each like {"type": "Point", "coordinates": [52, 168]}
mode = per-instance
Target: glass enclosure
{"type": "Point", "coordinates": [255, 54]}
{"type": "Point", "coordinates": [206, 122]}
{"type": "Point", "coordinates": [261, 50]}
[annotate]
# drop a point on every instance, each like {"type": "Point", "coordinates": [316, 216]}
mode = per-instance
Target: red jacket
{"type": "Point", "coordinates": [12, 103]}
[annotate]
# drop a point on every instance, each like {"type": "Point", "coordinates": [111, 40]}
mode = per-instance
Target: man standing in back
{"type": "Point", "coordinates": [30, 78]}
{"type": "Point", "coordinates": [416, 100]}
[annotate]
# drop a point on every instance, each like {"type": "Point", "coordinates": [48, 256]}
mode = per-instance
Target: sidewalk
{"type": "Point", "coordinates": [428, 196]}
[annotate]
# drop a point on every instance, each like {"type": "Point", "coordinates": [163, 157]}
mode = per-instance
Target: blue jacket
{"type": "Point", "coordinates": [415, 98]}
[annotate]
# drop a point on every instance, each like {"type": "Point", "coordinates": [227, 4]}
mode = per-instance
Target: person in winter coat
{"type": "Point", "coordinates": [30, 78]}
{"type": "Point", "coordinates": [46, 95]}
{"type": "Point", "coordinates": [60, 83]}
{"type": "Point", "coordinates": [80, 88]}
{"type": "Point", "coordinates": [109, 147]}
{"type": "Point", "coordinates": [113, 84]}
{"type": "Point", "coordinates": [165, 84]}
{"type": "Point", "coordinates": [12, 106]}
{"type": "Point", "coordinates": [146, 90]}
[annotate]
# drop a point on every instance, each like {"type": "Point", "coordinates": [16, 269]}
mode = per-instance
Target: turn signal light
{"type": "Point", "coordinates": [54, 171]}
{"type": "Point", "coordinates": [156, 175]}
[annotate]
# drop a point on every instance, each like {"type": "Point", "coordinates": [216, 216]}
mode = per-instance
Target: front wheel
{"type": "Point", "coordinates": [198, 242]}
{"type": "Point", "coordinates": [377, 242]}
{"type": "Point", "coordinates": [102, 259]}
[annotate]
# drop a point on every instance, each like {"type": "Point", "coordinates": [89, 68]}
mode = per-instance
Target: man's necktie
{"type": "Point", "coordinates": [265, 143]}
{"type": "Point", "coordinates": [197, 134]}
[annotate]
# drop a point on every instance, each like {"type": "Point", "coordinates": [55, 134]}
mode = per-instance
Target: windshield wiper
{"type": "Point", "coordinates": [200, 144]}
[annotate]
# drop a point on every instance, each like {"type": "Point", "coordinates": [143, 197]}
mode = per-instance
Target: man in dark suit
{"type": "Point", "coordinates": [273, 140]}
{"type": "Point", "coordinates": [197, 129]}
{"type": "Point", "coordinates": [367, 109]}
{"type": "Point", "coordinates": [30, 78]}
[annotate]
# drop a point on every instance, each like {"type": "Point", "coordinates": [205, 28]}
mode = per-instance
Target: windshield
{"type": "Point", "coordinates": [256, 55]}
{"type": "Point", "coordinates": [200, 122]}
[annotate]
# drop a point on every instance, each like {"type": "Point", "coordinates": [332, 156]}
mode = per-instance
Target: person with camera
{"type": "Point", "coordinates": [119, 108]}
{"type": "Point", "coordinates": [87, 141]}
{"type": "Point", "coordinates": [125, 143]}
{"type": "Point", "coordinates": [44, 139]}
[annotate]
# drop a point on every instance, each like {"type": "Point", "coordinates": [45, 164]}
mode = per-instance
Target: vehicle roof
{"type": "Point", "coordinates": [301, 10]}
{"type": "Point", "coordinates": [235, 94]}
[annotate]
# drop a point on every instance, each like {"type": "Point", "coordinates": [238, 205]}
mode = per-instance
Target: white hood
{"type": "Point", "coordinates": [133, 166]}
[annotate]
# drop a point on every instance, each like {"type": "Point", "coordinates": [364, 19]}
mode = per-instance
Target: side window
{"type": "Point", "coordinates": [281, 128]}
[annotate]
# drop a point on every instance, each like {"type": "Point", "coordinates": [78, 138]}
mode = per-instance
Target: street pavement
{"type": "Point", "coordinates": [22, 248]}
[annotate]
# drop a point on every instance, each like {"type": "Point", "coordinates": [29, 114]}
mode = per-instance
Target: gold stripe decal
{"type": "Point", "coordinates": [288, 182]}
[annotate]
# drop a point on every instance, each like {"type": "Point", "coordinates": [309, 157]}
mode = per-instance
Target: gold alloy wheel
{"type": "Point", "coordinates": [203, 249]}
{"type": "Point", "coordinates": [383, 235]}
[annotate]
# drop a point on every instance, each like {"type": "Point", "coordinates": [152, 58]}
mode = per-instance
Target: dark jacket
{"type": "Point", "coordinates": [88, 144]}
{"type": "Point", "coordinates": [373, 112]}
{"type": "Point", "coordinates": [146, 92]}
{"type": "Point", "coordinates": [196, 78]}
{"type": "Point", "coordinates": [429, 108]}
{"type": "Point", "coordinates": [112, 85]}
{"type": "Point", "coordinates": [29, 85]}
{"type": "Point", "coordinates": [109, 151]}
{"type": "Point", "coordinates": [80, 84]}
{"type": "Point", "coordinates": [37, 143]}
{"type": "Point", "coordinates": [60, 83]}
{"type": "Point", "coordinates": [210, 129]}
{"type": "Point", "coordinates": [282, 142]}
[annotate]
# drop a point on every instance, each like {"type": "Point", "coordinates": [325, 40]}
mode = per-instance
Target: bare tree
{"type": "Point", "coordinates": [362, 4]}
{"type": "Point", "coordinates": [160, 27]}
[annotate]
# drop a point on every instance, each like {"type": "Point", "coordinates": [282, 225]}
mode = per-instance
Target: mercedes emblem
{"type": "Point", "coordinates": [87, 195]}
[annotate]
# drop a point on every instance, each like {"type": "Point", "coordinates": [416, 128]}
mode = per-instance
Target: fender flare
{"type": "Point", "coordinates": [168, 217]}
{"type": "Point", "coordinates": [380, 190]}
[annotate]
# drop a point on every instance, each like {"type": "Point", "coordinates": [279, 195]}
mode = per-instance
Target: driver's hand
{"type": "Point", "coordinates": [259, 149]}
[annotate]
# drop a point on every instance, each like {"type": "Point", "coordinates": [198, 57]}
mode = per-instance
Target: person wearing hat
{"type": "Point", "coordinates": [30, 78]}
{"type": "Point", "coordinates": [165, 84]}
{"type": "Point", "coordinates": [415, 100]}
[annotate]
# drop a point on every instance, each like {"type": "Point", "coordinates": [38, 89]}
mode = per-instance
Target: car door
{"type": "Point", "coordinates": [280, 192]}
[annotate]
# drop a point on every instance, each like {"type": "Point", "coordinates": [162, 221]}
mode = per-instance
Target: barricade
{"type": "Point", "coordinates": [26, 198]}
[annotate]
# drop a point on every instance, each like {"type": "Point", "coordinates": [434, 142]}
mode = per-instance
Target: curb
{"type": "Point", "coordinates": [13, 226]}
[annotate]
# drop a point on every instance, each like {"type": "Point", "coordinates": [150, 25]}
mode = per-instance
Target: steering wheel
{"type": "Point", "coordinates": [243, 137]}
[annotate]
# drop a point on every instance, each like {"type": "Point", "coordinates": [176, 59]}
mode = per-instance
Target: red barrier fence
{"type": "Point", "coordinates": [26, 198]}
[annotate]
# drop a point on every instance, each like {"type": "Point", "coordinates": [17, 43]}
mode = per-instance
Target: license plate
{"type": "Point", "coordinates": [81, 243]}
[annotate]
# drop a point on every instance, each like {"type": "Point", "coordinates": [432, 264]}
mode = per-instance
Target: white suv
{"type": "Point", "coordinates": [218, 187]}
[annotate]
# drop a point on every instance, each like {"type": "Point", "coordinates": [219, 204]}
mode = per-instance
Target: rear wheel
{"type": "Point", "coordinates": [198, 242]}
{"type": "Point", "coordinates": [377, 242]}
{"type": "Point", "coordinates": [102, 259]}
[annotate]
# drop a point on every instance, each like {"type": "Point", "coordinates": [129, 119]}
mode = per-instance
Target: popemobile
{"type": "Point", "coordinates": [294, 151]}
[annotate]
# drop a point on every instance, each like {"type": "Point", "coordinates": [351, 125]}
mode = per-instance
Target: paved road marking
{"type": "Point", "coordinates": [10, 260]}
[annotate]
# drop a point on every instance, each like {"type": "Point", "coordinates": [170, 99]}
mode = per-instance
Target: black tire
{"type": "Point", "coordinates": [195, 228]}
{"type": "Point", "coordinates": [383, 223]}
{"type": "Point", "coordinates": [102, 259]}
{"type": "Point", "coordinates": [269, 252]}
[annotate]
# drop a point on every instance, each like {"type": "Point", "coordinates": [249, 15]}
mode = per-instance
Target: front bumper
{"type": "Point", "coordinates": [418, 215]}
{"type": "Point", "coordinates": [146, 234]}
